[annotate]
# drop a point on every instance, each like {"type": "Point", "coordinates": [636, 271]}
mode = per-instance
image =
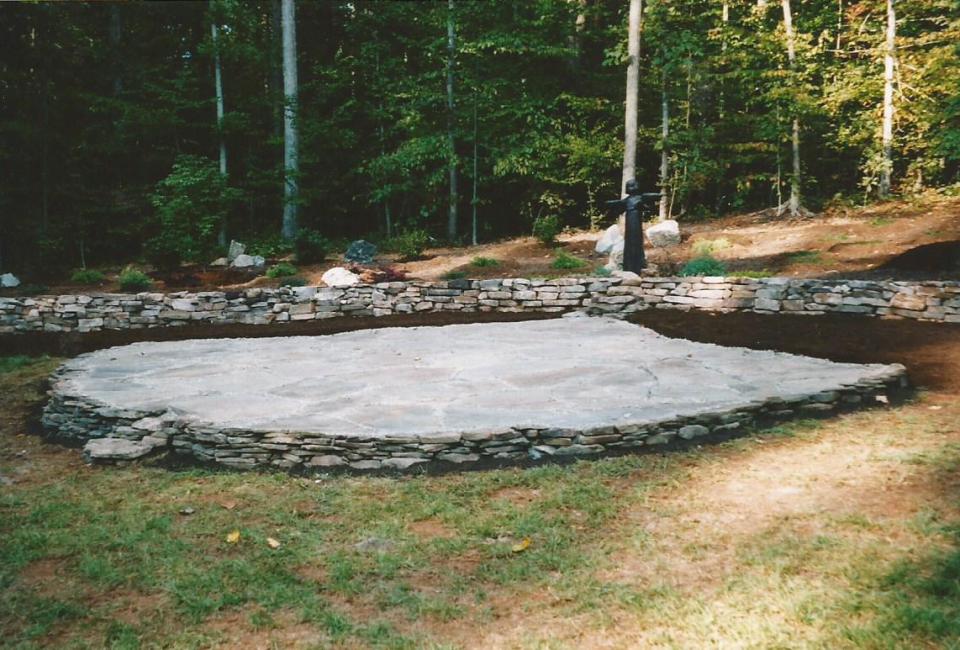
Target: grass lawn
{"type": "Point", "coordinates": [842, 533]}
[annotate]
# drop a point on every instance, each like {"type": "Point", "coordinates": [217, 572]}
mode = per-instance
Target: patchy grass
{"type": "Point", "coordinates": [705, 247]}
{"type": "Point", "coordinates": [484, 262]}
{"type": "Point", "coordinates": [806, 257]}
{"type": "Point", "coordinates": [9, 364]}
{"type": "Point", "coordinates": [565, 261]}
{"type": "Point", "coordinates": [831, 533]}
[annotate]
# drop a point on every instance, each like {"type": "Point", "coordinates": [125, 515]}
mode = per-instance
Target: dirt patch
{"type": "Point", "coordinates": [427, 529]}
{"type": "Point", "coordinates": [518, 496]}
{"type": "Point", "coordinates": [280, 629]}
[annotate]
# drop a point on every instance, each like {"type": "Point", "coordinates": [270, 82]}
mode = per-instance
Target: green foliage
{"type": "Point", "coordinates": [310, 247]}
{"type": "Point", "coordinates": [565, 261]}
{"type": "Point", "coordinates": [281, 270]}
{"type": "Point", "coordinates": [191, 204]}
{"type": "Point", "coordinates": [752, 273]}
{"type": "Point", "coordinates": [16, 362]}
{"type": "Point", "coordinates": [270, 246]}
{"type": "Point", "coordinates": [704, 265]}
{"type": "Point", "coordinates": [134, 280]}
{"type": "Point", "coordinates": [409, 245]}
{"type": "Point", "coordinates": [484, 262]}
{"type": "Point", "coordinates": [294, 282]}
{"type": "Point", "coordinates": [546, 228]}
{"type": "Point", "coordinates": [602, 272]}
{"type": "Point", "coordinates": [87, 276]}
{"type": "Point", "coordinates": [704, 247]}
{"type": "Point", "coordinates": [454, 275]}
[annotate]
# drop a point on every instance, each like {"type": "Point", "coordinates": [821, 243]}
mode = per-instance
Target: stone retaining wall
{"type": "Point", "coordinates": [932, 301]}
{"type": "Point", "coordinates": [112, 434]}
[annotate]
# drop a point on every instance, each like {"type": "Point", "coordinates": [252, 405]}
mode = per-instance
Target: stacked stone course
{"type": "Point", "coordinates": [931, 301]}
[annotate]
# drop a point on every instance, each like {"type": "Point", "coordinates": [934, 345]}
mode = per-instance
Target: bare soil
{"type": "Point", "coordinates": [915, 239]}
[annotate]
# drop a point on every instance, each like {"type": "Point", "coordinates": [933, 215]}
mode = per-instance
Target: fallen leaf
{"type": "Point", "coordinates": [229, 505]}
{"type": "Point", "coordinates": [521, 546]}
{"type": "Point", "coordinates": [272, 543]}
{"type": "Point", "coordinates": [233, 537]}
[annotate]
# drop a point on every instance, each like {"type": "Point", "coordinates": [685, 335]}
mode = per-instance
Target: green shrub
{"type": "Point", "coordinates": [546, 229]}
{"type": "Point", "coordinates": [294, 282]}
{"type": "Point", "coordinates": [763, 273]}
{"type": "Point", "coordinates": [704, 265]}
{"type": "Point", "coordinates": [707, 247]}
{"type": "Point", "coordinates": [270, 246]}
{"type": "Point", "coordinates": [191, 204]}
{"type": "Point", "coordinates": [409, 245]}
{"type": "Point", "coordinates": [134, 280]}
{"type": "Point", "coordinates": [482, 262]}
{"type": "Point", "coordinates": [281, 270]}
{"type": "Point", "coordinates": [87, 276]}
{"type": "Point", "coordinates": [454, 275]}
{"type": "Point", "coordinates": [310, 247]}
{"type": "Point", "coordinates": [566, 261]}
{"type": "Point", "coordinates": [602, 272]}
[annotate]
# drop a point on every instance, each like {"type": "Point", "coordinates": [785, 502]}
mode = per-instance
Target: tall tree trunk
{"type": "Point", "coordinates": [473, 201]}
{"type": "Point", "coordinates": [291, 162]}
{"type": "Point", "coordinates": [724, 22]}
{"type": "Point", "coordinates": [792, 58]}
{"type": "Point", "coordinates": [664, 150]}
{"type": "Point", "coordinates": [452, 225]}
{"type": "Point", "coordinates": [633, 89]}
{"type": "Point", "coordinates": [116, 30]}
{"type": "Point", "coordinates": [889, 64]}
{"type": "Point", "coordinates": [218, 87]}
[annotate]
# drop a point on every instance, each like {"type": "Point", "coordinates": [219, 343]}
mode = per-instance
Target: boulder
{"type": "Point", "coordinates": [615, 262]}
{"type": "Point", "coordinates": [249, 262]}
{"type": "Point", "coordinates": [340, 277]}
{"type": "Point", "coordinates": [220, 261]}
{"type": "Point", "coordinates": [609, 239]}
{"type": "Point", "coordinates": [360, 252]}
{"type": "Point", "coordinates": [9, 280]}
{"type": "Point", "coordinates": [236, 250]}
{"type": "Point", "coordinates": [666, 233]}
{"type": "Point", "coordinates": [116, 449]}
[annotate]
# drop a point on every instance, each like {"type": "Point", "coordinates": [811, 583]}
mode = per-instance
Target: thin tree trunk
{"type": "Point", "coordinates": [889, 63]}
{"type": "Point", "coordinates": [218, 87]}
{"type": "Point", "coordinates": [452, 225]}
{"type": "Point", "coordinates": [116, 30]}
{"type": "Point", "coordinates": [473, 202]}
{"type": "Point", "coordinates": [664, 149]}
{"type": "Point", "coordinates": [792, 58]}
{"type": "Point", "coordinates": [291, 162]}
{"type": "Point", "coordinates": [632, 101]}
{"type": "Point", "coordinates": [724, 22]}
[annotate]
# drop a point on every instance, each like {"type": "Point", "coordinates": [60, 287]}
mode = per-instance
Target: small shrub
{"type": "Point", "coordinates": [33, 289]}
{"type": "Point", "coordinates": [454, 275]}
{"type": "Point", "coordinates": [271, 246]}
{"type": "Point", "coordinates": [293, 282]}
{"type": "Point", "coordinates": [87, 276]}
{"type": "Point", "coordinates": [707, 247]}
{"type": "Point", "coordinates": [134, 280]}
{"type": "Point", "coordinates": [409, 245]}
{"type": "Point", "coordinates": [482, 262]}
{"type": "Point", "coordinates": [603, 272]}
{"type": "Point", "coordinates": [705, 265]}
{"type": "Point", "coordinates": [566, 261]}
{"type": "Point", "coordinates": [546, 229]}
{"type": "Point", "coordinates": [310, 247]}
{"type": "Point", "coordinates": [281, 270]}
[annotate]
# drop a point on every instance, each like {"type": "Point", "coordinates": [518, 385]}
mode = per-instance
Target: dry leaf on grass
{"type": "Point", "coordinates": [521, 546]}
{"type": "Point", "coordinates": [272, 543]}
{"type": "Point", "coordinates": [233, 537]}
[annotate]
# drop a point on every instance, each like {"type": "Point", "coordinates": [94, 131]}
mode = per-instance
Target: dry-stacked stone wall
{"type": "Point", "coordinates": [931, 301]}
{"type": "Point", "coordinates": [129, 434]}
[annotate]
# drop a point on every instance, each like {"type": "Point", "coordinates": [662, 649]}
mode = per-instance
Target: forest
{"type": "Point", "coordinates": [162, 130]}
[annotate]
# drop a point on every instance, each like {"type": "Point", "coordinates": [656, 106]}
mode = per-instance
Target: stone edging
{"type": "Point", "coordinates": [113, 434]}
{"type": "Point", "coordinates": [929, 301]}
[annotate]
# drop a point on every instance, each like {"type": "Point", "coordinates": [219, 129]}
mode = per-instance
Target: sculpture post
{"type": "Point", "coordinates": [636, 206]}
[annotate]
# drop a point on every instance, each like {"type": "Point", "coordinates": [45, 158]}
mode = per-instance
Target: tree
{"type": "Point", "coordinates": [291, 141]}
{"type": "Point", "coordinates": [794, 201]}
{"type": "Point", "coordinates": [452, 226]}
{"type": "Point", "coordinates": [218, 88]}
{"type": "Point", "coordinates": [633, 90]}
{"type": "Point", "coordinates": [889, 64]}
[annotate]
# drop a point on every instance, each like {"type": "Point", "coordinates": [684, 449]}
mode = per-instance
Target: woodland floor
{"type": "Point", "coordinates": [916, 239]}
{"type": "Point", "coordinates": [834, 533]}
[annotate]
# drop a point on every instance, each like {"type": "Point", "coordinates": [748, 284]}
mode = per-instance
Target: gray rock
{"type": "Point", "coordinates": [693, 431]}
{"type": "Point", "coordinates": [9, 280]}
{"type": "Point", "coordinates": [116, 449]}
{"type": "Point", "coordinates": [665, 233]}
{"type": "Point", "coordinates": [236, 250]}
{"type": "Point", "coordinates": [609, 239]}
{"type": "Point", "coordinates": [340, 277]}
{"type": "Point", "coordinates": [360, 252]}
{"type": "Point", "coordinates": [220, 262]}
{"type": "Point", "coordinates": [250, 262]}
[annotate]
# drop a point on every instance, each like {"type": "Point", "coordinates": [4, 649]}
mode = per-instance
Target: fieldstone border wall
{"type": "Point", "coordinates": [112, 434]}
{"type": "Point", "coordinates": [930, 301]}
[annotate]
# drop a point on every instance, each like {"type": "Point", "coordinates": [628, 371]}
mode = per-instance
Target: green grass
{"type": "Point", "coordinates": [87, 276]}
{"type": "Point", "coordinates": [879, 222]}
{"type": "Point", "coordinates": [703, 247]}
{"type": "Point", "coordinates": [484, 262]}
{"type": "Point", "coordinates": [454, 275]}
{"type": "Point", "coordinates": [805, 257]}
{"type": "Point", "coordinates": [565, 261]}
{"type": "Point", "coordinates": [16, 362]}
{"type": "Point", "coordinates": [282, 270]}
{"type": "Point", "coordinates": [752, 273]}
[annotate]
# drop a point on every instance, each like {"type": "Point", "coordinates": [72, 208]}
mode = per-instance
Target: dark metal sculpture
{"type": "Point", "coordinates": [637, 206]}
